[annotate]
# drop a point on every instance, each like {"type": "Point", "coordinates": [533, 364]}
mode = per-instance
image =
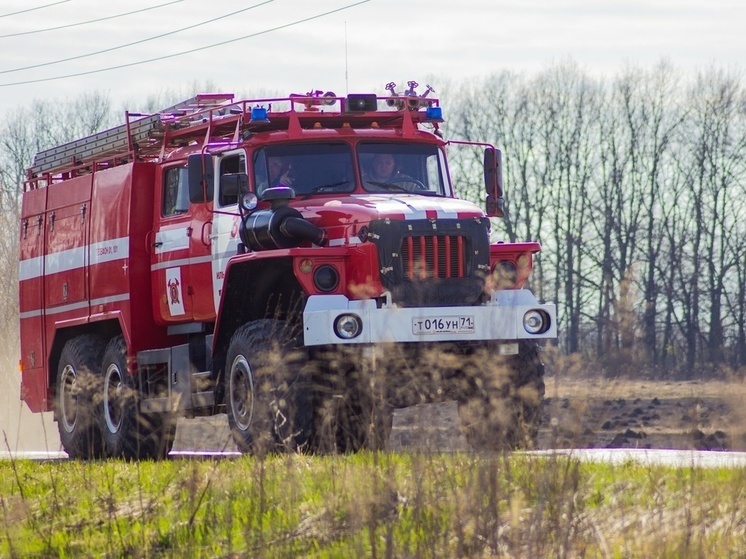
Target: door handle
{"type": "Point", "coordinates": [207, 233]}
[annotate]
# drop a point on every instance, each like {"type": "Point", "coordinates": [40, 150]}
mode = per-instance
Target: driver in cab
{"type": "Point", "coordinates": [278, 172]}
{"type": "Point", "coordinates": [383, 174]}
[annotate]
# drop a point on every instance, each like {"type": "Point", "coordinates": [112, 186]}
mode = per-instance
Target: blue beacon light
{"type": "Point", "coordinates": [259, 115]}
{"type": "Point", "coordinates": [434, 114]}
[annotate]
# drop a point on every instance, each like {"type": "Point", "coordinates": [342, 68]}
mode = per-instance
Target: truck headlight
{"type": "Point", "coordinates": [536, 322]}
{"type": "Point", "coordinates": [326, 278]}
{"type": "Point", "coordinates": [348, 326]}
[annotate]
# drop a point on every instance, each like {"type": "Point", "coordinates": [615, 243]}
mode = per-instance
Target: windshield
{"type": "Point", "coordinates": [418, 168]}
{"type": "Point", "coordinates": [321, 168]}
{"type": "Point", "coordinates": [308, 168]}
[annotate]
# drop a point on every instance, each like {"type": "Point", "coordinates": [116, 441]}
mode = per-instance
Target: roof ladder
{"type": "Point", "coordinates": [122, 139]}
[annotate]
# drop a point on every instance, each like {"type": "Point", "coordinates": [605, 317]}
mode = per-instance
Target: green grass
{"type": "Point", "coordinates": [370, 505]}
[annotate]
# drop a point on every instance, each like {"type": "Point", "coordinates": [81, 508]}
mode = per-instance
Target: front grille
{"type": "Point", "coordinates": [434, 256]}
{"type": "Point", "coordinates": [432, 263]}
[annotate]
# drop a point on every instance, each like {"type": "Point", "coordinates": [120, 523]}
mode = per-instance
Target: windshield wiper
{"type": "Point", "coordinates": [400, 188]}
{"type": "Point", "coordinates": [323, 187]}
{"type": "Point", "coordinates": [390, 186]}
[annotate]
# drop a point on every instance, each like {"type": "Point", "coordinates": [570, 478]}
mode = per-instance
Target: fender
{"type": "Point", "coordinates": [108, 325]}
{"type": "Point", "coordinates": [287, 273]}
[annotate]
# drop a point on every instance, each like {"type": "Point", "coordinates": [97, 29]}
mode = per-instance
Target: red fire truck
{"type": "Point", "coordinates": [298, 263]}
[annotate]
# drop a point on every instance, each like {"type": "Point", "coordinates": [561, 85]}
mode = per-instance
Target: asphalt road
{"type": "Point", "coordinates": [648, 457]}
{"type": "Point", "coordinates": [427, 428]}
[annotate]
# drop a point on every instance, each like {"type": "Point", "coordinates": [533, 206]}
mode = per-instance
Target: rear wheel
{"type": "Point", "coordinates": [127, 432]}
{"type": "Point", "coordinates": [504, 409]}
{"type": "Point", "coordinates": [77, 385]}
{"type": "Point", "coordinates": [267, 396]}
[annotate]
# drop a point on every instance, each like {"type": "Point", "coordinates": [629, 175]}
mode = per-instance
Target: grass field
{"type": "Point", "coordinates": [370, 505]}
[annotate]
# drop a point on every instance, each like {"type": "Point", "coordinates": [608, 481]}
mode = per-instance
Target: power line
{"type": "Point", "coordinates": [87, 22]}
{"type": "Point", "coordinates": [266, 31]}
{"type": "Point", "coordinates": [33, 9]}
{"type": "Point", "coordinates": [135, 42]}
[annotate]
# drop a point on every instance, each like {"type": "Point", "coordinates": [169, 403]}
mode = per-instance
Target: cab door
{"type": "Point", "coordinates": [180, 256]}
{"type": "Point", "coordinates": [225, 220]}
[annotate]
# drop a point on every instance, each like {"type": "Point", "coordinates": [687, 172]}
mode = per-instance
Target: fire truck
{"type": "Point", "coordinates": [298, 263]}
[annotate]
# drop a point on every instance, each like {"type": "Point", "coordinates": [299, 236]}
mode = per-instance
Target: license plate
{"type": "Point", "coordinates": [443, 325]}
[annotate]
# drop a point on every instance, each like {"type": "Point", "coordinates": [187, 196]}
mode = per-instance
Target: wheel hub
{"type": "Point", "coordinates": [113, 393]}
{"type": "Point", "coordinates": [242, 392]}
{"type": "Point", "coordinates": [69, 398]}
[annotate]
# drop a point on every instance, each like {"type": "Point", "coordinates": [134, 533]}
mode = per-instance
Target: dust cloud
{"type": "Point", "coordinates": [21, 430]}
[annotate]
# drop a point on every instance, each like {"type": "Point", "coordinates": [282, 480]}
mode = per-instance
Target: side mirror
{"type": "Point", "coordinates": [201, 178]}
{"type": "Point", "coordinates": [493, 182]}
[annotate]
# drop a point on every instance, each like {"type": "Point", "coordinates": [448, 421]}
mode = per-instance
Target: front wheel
{"type": "Point", "coordinates": [127, 432]}
{"type": "Point", "coordinates": [351, 410]}
{"type": "Point", "coordinates": [504, 409]}
{"type": "Point", "coordinates": [266, 393]}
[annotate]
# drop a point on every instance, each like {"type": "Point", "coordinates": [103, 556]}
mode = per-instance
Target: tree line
{"type": "Point", "coordinates": [633, 184]}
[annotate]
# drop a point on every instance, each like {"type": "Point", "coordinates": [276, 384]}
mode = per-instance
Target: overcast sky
{"type": "Point", "coordinates": [358, 46]}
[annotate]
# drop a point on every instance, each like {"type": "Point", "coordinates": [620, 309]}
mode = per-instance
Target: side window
{"type": "Point", "coordinates": [228, 165]}
{"type": "Point", "coordinates": [432, 169]}
{"type": "Point", "coordinates": [175, 191]}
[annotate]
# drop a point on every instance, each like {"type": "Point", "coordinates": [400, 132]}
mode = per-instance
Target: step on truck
{"type": "Point", "coordinates": [298, 263]}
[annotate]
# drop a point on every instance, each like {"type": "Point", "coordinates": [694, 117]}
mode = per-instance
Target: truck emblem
{"type": "Point", "coordinates": [173, 290]}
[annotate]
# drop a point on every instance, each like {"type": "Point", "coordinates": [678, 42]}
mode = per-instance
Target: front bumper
{"type": "Point", "coordinates": [501, 319]}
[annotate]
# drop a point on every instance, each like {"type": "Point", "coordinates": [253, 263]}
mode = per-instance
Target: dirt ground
{"type": "Point", "coordinates": [622, 413]}
{"type": "Point", "coordinates": [578, 413]}
{"type": "Point", "coordinates": [602, 413]}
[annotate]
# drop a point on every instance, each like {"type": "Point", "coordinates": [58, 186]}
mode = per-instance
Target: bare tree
{"type": "Point", "coordinates": [569, 104]}
{"type": "Point", "coordinates": [24, 132]}
{"type": "Point", "coordinates": [715, 166]}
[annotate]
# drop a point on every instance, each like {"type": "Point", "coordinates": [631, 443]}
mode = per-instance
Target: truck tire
{"type": "Point", "coordinates": [351, 412]}
{"type": "Point", "coordinates": [77, 383]}
{"type": "Point", "coordinates": [363, 420]}
{"type": "Point", "coordinates": [127, 432]}
{"type": "Point", "coordinates": [267, 395]}
{"type": "Point", "coordinates": [504, 414]}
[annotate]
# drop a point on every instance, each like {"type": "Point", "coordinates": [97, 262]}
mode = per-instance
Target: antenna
{"type": "Point", "coordinates": [347, 81]}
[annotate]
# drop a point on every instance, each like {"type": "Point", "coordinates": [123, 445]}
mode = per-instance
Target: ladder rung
{"type": "Point", "coordinates": [102, 143]}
